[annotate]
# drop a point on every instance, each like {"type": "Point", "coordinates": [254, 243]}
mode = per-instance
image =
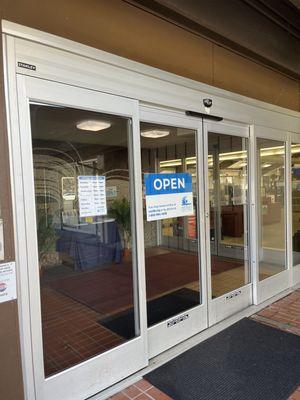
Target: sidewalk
{"type": "Point", "coordinates": [283, 314]}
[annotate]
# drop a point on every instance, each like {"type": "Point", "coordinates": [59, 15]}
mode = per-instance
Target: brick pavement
{"type": "Point", "coordinates": [142, 390]}
{"type": "Point", "coordinates": [283, 314]}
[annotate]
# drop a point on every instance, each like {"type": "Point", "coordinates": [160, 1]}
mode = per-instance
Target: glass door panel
{"type": "Point", "coordinates": [228, 205]}
{"type": "Point", "coordinates": [271, 195]}
{"type": "Point", "coordinates": [295, 163]}
{"type": "Point", "coordinates": [171, 244]}
{"type": "Point", "coordinates": [84, 213]}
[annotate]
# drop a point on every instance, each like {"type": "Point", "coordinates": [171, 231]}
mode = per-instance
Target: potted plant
{"type": "Point", "coordinates": [120, 210]}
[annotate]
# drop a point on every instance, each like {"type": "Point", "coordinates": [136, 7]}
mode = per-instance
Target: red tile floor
{"type": "Point", "coordinates": [73, 307]}
{"type": "Point", "coordinates": [283, 314]}
{"type": "Point", "coordinates": [71, 332]}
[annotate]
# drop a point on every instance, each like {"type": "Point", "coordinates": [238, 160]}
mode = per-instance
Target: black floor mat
{"type": "Point", "coordinates": [157, 310]}
{"type": "Point", "coordinates": [247, 361]}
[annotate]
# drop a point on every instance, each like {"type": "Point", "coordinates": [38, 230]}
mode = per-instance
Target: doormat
{"type": "Point", "coordinates": [157, 310]}
{"type": "Point", "coordinates": [248, 361]}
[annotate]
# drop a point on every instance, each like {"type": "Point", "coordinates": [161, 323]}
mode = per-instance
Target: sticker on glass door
{"type": "Point", "coordinates": [168, 195]}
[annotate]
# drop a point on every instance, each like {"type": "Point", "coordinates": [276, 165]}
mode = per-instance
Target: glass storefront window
{"type": "Point", "coordinates": [295, 163]}
{"type": "Point", "coordinates": [271, 190]}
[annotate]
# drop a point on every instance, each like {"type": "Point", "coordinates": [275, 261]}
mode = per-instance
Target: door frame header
{"type": "Point", "coordinates": [99, 70]}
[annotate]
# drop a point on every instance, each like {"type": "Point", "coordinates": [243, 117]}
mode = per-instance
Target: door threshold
{"type": "Point", "coordinates": [180, 348]}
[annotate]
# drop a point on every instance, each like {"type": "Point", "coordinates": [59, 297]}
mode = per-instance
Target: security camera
{"type": "Point", "coordinates": [207, 105]}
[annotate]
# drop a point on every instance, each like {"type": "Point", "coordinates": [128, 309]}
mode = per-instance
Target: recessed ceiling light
{"type": "Point", "coordinates": [93, 125]}
{"type": "Point", "coordinates": [155, 133]}
{"type": "Point", "coordinates": [170, 163]}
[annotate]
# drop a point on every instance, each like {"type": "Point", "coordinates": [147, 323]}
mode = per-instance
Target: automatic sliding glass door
{"type": "Point", "coordinates": [171, 245]}
{"type": "Point", "coordinates": [82, 219]}
{"type": "Point", "coordinates": [227, 219]}
{"type": "Point", "coordinates": [228, 188]}
{"type": "Point", "coordinates": [175, 301]}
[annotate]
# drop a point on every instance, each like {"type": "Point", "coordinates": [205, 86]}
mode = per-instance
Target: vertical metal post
{"type": "Point", "coordinates": [253, 185]}
{"type": "Point", "coordinates": [289, 208]}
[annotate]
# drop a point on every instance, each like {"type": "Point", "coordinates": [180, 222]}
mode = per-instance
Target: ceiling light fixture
{"type": "Point", "coordinates": [155, 133]}
{"type": "Point", "coordinates": [170, 163]}
{"type": "Point", "coordinates": [93, 125]}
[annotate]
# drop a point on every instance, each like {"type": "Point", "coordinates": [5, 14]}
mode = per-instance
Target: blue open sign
{"type": "Point", "coordinates": [168, 183]}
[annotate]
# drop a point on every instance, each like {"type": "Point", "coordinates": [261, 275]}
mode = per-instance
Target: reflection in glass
{"type": "Point", "coordinates": [228, 187]}
{"type": "Point", "coordinates": [84, 218]}
{"type": "Point", "coordinates": [271, 187]}
{"type": "Point", "coordinates": [295, 162]}
{"type": "Point", "coordinates": [171, 245]}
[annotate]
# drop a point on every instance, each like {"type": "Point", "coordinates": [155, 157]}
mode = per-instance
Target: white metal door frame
{"type": "Point", "coordinates": [240, 298]}
{"type": "Point", "coordinates": [273, 285]}
{"type": "Point", "coordinates": [96, 374]}
{"type": "Point", "coordinates": [161, 337]}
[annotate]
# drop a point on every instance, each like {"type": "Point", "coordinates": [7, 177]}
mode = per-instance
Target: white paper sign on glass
{"type": "Point", "coordinates": [111, 192]}
{"type": "Point", "coordinates": [92, 196]}
{"type": "Point", "coordinates": [8, 289]}
{"type": "Point", "coordinates": [168, 196]}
